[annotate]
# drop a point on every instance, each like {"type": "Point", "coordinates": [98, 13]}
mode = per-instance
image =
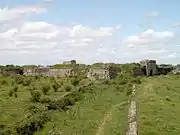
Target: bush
{"type": "Point", "coordinates": [13, 92]}
{"type": "Point", "coordinates": [18, 79]}
{"type": "Point", "coordinates": [45, 89]}
{"type": "Point", "coordinates": [129, 89]}
{"type": "Point", "coordinates": [36, 108]}
{"type": "Point", "coordinates": [15, 89]}
{"type": "Point", "coordinates": [29, 125]}
{"type": "Point", "coordinates": [45, 100]}
{"type": "Point", "coordinates": [36, 95]}
{"type": "Point", "coordinates": [136, 80]}
{"type": "Point", "coordinates": [26, 82]}
{"type": "Point", "coordinates": [75, 81]}
{"type": "Point", "coordinates": [122, 81]}
{"type": "Point", "coordinates": [15, 95]}
{"type": "Point", "coordinates": [61, 103]}
{"type": "Point", "coordinates": [106, 82]}
{"type": "Point", "coordinates": [55, 86]}
{"type": "Point", "coordinates": [4, 82]}
{"type": "Point", "coordinates": [10, 93]}
{"type": "Point", "coordinates": [67, 87]}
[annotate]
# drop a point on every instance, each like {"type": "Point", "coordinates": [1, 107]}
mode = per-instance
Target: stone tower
{"type": "Point", "coordinates": [149, 66]}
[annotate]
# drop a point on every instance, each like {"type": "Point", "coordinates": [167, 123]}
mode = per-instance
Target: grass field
{"type": "Point", "coordinates": [159, 105]}
{"type": "Point", "coordinates": [89, 116]}
{"type": "Point", "coordinates": [68, 106]}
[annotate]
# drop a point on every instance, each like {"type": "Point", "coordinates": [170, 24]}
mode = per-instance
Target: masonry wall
{"type": "Point", "coordinates": [49, 72]}
{"type": "Point", "coordinates": [150, 66]}
{"type": "Point", "coordinates": [98, 74]}
{"type": "Point", "coordinates": [102, 73]}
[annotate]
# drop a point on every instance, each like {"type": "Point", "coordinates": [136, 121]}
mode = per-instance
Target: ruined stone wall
{"type": "Point", "coordinates": [113, 72]}
{"type": "Point", "coordinates": [49, 72]}
{"type": "Point", "coordinates": [150, 67]}
{"type": "Point", "coordinates": [11, 71]}
{"type": "Point", "coordinates": [98, 74]}
{"type": "Point", "coordinates": [102, 73]}
{"type": "Point", "coordinates": [138, 71]}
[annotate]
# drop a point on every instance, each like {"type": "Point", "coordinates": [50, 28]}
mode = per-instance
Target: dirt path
{"type": "Point", "coordinates": [107, 118]}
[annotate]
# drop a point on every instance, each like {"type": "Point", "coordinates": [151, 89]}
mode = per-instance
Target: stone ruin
{"type": "Point", "coordinates": [100, 73]}
{"type": "Point", "coordinates": [150, 68]}
{"type": "Point", "coordinates": [12, 71]}
{"type": "Point", "coordinates": [46, 71]}
{"type": "Point", "coordinates": [146, 67]}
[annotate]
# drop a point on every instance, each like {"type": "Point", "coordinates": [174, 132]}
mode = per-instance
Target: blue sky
{"type": "Point", "coordinates": [125, 23]}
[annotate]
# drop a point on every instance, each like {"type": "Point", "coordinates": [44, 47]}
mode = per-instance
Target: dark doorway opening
{"type": "Point", "coordinates": [144, 70]}
{"type": "Point", "coordinates": [151, 72]}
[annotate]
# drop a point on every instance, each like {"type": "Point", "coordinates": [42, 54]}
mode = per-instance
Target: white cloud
{"type": "Point", "coordinates": [176, 24]}
{"type": "Point", "coordinates": [41, 42]}
{"type": "Point", "coordinates": [172, 55]}
{"type": "Point", "coordinates": [82, 31]}
{"type": "Point", "coordinates": [150, 44]}
{"type": "Point", "coordinates": [26, 41]}
{"type": "Point", "coordinates": [7, 14]}
{"type": "Point", "coordinates": [152, 14]}
{"type": "Point", "coordinates": [149, 37]}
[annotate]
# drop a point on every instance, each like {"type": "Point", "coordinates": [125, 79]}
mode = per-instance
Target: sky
{"type": "Point", "coordinates": [121, 31]}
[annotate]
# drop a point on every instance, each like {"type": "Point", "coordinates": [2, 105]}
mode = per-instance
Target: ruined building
{"type": "Point", "coordinates": [72, 62]}
{"type": "Point", "coordinates": [11, 71]}
{"type": "Point", "coordinates": [49, 72]}
{"type": "Point", "coordinates": [164, 69]}
{"type": "Point", "coordinates": [149, 67]}
{"type": "Point", "coordinates": [99, 73]}
{"type": "Point", "coordinates": [146, 67]}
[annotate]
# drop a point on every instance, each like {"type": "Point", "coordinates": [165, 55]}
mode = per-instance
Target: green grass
{"type": "Point", "coordinates": [85, 117]}
{"type": "Point", "coordinates": [159, 105]}
{"type": "Point", "coordinates": [12, 108]}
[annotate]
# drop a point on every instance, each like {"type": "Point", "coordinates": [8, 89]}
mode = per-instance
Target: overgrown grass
{"type": "Point", "coordinates": [38, 105]}
{"type": "Point", "coordinates": [159, 105]}
{"type": "Point", "coordinates": [86, 116]}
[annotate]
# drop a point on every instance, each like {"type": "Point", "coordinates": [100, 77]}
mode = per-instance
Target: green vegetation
{"type": "Point", "coordinates": [159, 105]}
{"type": "Point", "coordinates": [75, 105]}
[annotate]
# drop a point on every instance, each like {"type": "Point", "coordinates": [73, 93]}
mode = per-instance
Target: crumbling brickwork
{"type": "Point", "coordinates": [98, 74]}
{"type": "Point", "coordinates": [102, 73]}
{"type": "Point", "coordinates": [150, 67]}
{"type": "Point", "coordinates": [49, 72]}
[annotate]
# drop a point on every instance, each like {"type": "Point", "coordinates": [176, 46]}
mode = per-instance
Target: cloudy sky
{"type": "Point", "coordinates": [51, 31]}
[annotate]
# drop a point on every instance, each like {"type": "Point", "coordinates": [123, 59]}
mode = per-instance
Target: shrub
{"type": "Point", "coordinates": [13, 92]}
{"type": "Point", "coordinates": [10, 93]}
{"type": "Point", "coordinates": [4, 82]}
{"type": "Point", "coordinates": [15, 95]}
{"type": "Point", "coordinates": [45, 88]}
{"type": "Point", "coordinates": [67, 87]}
{"type": "Point", "coordinates": [61, 103]}
{"type": "Point", "coordinates": [26, 82]}
{"type": "Point", "coordinates": [36, 108]}
{"type": "Point", "coordinates": [55, 86]}
{"type": "Point", "coordinates": [106, 82]}
{"type": "Point", "coordinates": [45, 100]}
{"type": "Point", "coordinates": [129, 89]}
{"type": "Point", "coordinates": [29, 125]}
{"type": "Point", "coordinates": [122, 81]}
{"type": "Point", "coordinates": [136, 80]}
{"type": "Point", "coordinates": [75, 81]}
{"type": "Point", "coordinates": [36, 77]}
{"type": "Point", "coordinates": [36, 95]}
{"type": "Point", "coordinates": [15, 89]}
{"type": "Point", "coordinates": [18, 80]}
